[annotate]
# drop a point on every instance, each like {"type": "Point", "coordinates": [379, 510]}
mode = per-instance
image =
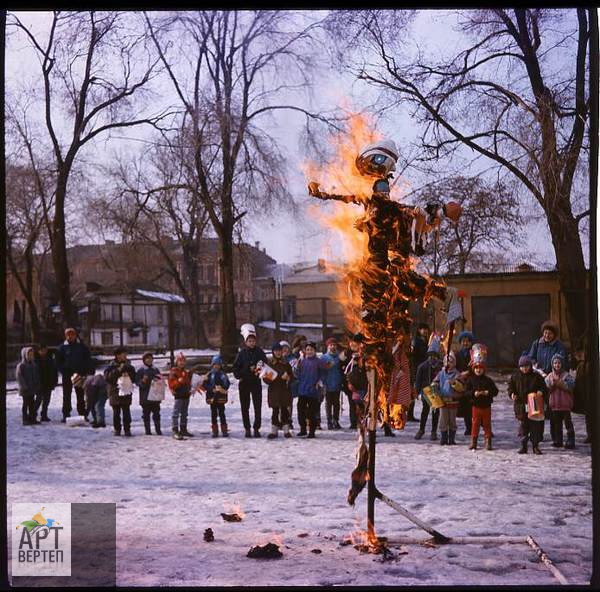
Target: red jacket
{"type": "Point", "coordinates": [180, 382]}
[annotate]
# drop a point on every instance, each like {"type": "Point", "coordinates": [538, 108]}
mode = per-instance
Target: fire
{"type": "Point", "coordinates": [233, 508]}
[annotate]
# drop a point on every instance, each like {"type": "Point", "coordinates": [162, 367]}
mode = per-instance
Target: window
{"type": "Point", "coordinates": [115, 313]}
{"type": "Point", "coordinates": [159, 313]}
{"type": "Point", "coordinates": [107, 338]}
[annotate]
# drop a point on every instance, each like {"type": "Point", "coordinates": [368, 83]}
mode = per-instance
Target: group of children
{"type": "Point", "coordinates": [458, 383]}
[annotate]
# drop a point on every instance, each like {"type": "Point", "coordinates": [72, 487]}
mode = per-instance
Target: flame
{"type": "Point", "coordinates": [233, 508]}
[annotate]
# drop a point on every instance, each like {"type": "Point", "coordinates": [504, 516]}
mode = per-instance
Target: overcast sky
{"type": "Point", "coordinates": [291, 239]}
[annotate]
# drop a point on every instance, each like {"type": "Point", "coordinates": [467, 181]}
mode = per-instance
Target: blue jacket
{"type": "Point", "coordinates": [446, 391]}
{"type": "Point", "coordinates": [150, 372]}
{"type": "Point", "coordinates": [248, 357]}
{"type": "Point", "coordinates": [213, 379]}
{"type": "Point", "coordinates": [309, 371]}
{"type": "Point", "coordinates": [73, 358]}
{"type": "Point", "coordinates": [333, 377]}
{"type": "Point", "coordinates": [542, 352]}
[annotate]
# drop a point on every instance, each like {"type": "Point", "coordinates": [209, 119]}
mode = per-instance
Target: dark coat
{"type": "Point", "coordinates": [95, 387]}
{"type": "Point", "coordinates": [246, 358]}
{"type": "Point", "coordinates": [309, 371]}
{"type": "Point", "coordinates": [28, 376]}
{"type": "Point", "coordinates": [143, 378]}
{"type": "Point", "coordinates": [112, 374]}
{"type": "Point", "coordinates": [480, 383]}
{"type": "Point", "coordinates": [418, 354]}
{"type": "Point", "coordinates": [214, 379]}
{"type": "Point", "coordinates": [463, 358]}
{"type": "Point", "coordinates": [542, 353]}
{"type": "Point", "coordinates": [581, 392]}
{"type": "Point", "coordinates": [426, 372]}
{"type": "Point", "coordinates": [74, 358]}
{"type": "Point", "coordinates": [279, 393]}
{"type": "Point", "coordinates": [47, 370]}
{"type": "Point", "coordinates": [521, 385]}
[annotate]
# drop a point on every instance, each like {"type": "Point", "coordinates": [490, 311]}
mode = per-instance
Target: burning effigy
{"type": "Point", "coordinates": [383, 280]}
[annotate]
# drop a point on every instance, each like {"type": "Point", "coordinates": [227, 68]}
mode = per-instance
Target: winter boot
{"type": "Point", "coordinates": [444, 438]}
{"type": "Point", "coordinates": [419, 434]}
{"type": "Point", "coordinates": [273, 434]}
{"type": "Point", "coordinates": [256, 433]}
{"type": "Point", "coordinates": [215, 430]}
{"type": "Point", "coordinates": [224, 431]}
{"type": "Point", "coordinates": [286, 431]}
{"type": "Point", "coordinates": [536, 449]}
{"type": "Point", "coordinates": [336, 425]}
{"type": "Point", "coordinates": [177, 435]}
{"type": "Point", "coordinates": [184, 431]}
{"type": "Point", "coordinates": [157, 426]}
{"type": "Point", "coordinates": [147, 426]}
{"type": "Point", "coordinates": [488, 443]}
{"type": "Point", "coordinates": [387, 430]}
{"type": "Point", "coordinates": [451, 437]}
{"type": "Point", "coordinates": [570, 444]}
{"type": "Point", "coordinates": [473, 443]}
{"type": "Point", "coordinates": [128, 433]}
{"type": "Point", "coordinates": [523, 449]}
{"type": "Point", "coordinates": [45, 417]}
{"type": "Point", "coordinates": [116, 432]}
{"type": "Point", "coordinates": [433, 436]}
{"type": "Point", "coordinates": [248, 433]}
{"type": "Point", "coordinates": [329, 424]}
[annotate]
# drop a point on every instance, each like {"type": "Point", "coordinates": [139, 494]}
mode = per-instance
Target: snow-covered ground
{"type": "Point", "coordinates": [293, 492]}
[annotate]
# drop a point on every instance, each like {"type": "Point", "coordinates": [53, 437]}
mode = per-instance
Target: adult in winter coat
{"type": "Point", "coordinates": [120, 396]}
{"type": "Point", "coordinates": [418, 354]}
{"type": "Point", "coordinates": [450, 392]}
{"type": "Point", "coordinates": [426, 372]}
{"type": "Point", "coordinates": [560, 397]}
{"type": "Point", "coordinates": [333, 380]}
{"type": "Point", "coordinates": [279, 394]}
{"type": "Point", "coordinates": [73, 357]}
{"type": "Point", "coordinates": [144, 377]}
{"type": "Point", "coordinates": [480, 391]}
{"type": "Point", "coordinates": [521, 383]}
{"type": "Point", "coordinates": [463, 358]}
{"type": "Point", "coordinates": [180, 383]}
{"type": "Point", "coordinates": [45, 362]}
{"type": "Point", "coordinates": [217, 384]}
{"type": "Point", "coordinates": [309, 371]}
{"type": "Point", "coordinates": [541, 353]}
{"type": "Point", "coordinates": [245, 370]}
{"type": "Point", "coordinates": [28, 379]}
{"type": "Point", "coordinates": [95, 388]}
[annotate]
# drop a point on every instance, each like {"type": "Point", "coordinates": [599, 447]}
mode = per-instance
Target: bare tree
{"type": "Point", "coordinates": [490, 220]}
{"type": "Point", "coordinates": [229, 69]}
{"type": "Point", "coordinates": [92, 66]}
{"type": "Point", "coordinates": [516, 96]}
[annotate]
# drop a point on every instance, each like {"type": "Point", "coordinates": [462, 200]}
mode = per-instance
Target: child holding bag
{"type": "Point", "coordinates": [216, 384]}
{"type": "Point", "coordinates": [560, 388]}
{"type": "Point", "coordinates": [120, 376]}
{"type": "Point", "coordinates": [180, 384]}
{"type": "Point", "coordinates": [152, 391]}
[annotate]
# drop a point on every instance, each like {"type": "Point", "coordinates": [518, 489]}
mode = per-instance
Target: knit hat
{"type": "Point", "coordinates": [284, 344]}
{"type": "Point", "coordinates": [551, 325]}
{"type": "Point", "coordinates": [558, 357]}
{"type": "Point", "coordinates": [179, 357]}
{"type": "Point", "coordinates": [147, 355]}
{"type": "Point", "coordinates": [311, 344]}
{"type": "Point", "coordinates": [525, 361]}
{"type": "Point", "coordinates": [216, 360]}
{"type": "Point", "coordinates": [466, 334]}
{"type": "Point", "coordinates": [276, 346]}
{"type": "Point", "coordinates": [331, 341]}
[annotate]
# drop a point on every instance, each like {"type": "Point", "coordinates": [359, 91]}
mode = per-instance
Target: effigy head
{"type": "Point", "coordinates": [378, 159]}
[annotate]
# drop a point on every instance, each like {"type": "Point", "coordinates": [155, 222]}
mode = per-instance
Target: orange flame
{"type": "Point", "coordinates": [233, 508]}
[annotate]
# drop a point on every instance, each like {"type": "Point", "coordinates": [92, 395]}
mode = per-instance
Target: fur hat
{"type": "Point", "coordinates": [525, 361]}
{"type": "Point", "coordinates": [552, 326]}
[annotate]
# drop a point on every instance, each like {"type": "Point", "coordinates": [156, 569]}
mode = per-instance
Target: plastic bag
{"type": "Point", "coordinates": [125, 386]}
{"type": "Point", "coordinates": [157, 390]}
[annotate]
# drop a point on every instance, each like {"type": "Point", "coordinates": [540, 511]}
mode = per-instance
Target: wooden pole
{"type": "Point", "coordinates": [371, 489]}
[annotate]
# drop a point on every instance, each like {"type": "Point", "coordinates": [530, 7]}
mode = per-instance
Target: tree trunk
{"type": "Point", "coordinates": [229, 331]}
{"type": "Point", "coordinates": [190, 263]}
{"type": "Point", "coordinates": [572, 274]}
{"type": "Point", "coordinates": [27, 291]}
{"type": "Point", "coordinates": [59, 254]}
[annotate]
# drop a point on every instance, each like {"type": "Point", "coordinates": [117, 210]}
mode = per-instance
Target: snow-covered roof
{"type": "Point", "coordinates": [287, 327]}
{"type": "Point", "coordinates": [164, 296]}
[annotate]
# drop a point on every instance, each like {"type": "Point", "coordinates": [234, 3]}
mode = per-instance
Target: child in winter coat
{"type": "Point", "coordinates": [463, 359]}
{"type": "Point", "coordinates": [120, 395]}
{"type": "Point", "coordinates": [45, 362]}
{"type": "Point", "coordinates": [309, 371]}
{"type": "Point", "coordinates": [426, 372]}
{"type": "Point", "coordinates": [560, 390]}
{"type": "Point", "coordinates": [28, 379]}
{"type": "Point", "coordinates": [451, 390]}
{"type": "Point", "coordinates": [480, 391]}
{"type": "Point", "coordinates": [216, 384]}
{"type": "Point", "coordinates": [279, 393]}
{"type": "Point", "coordinates": [180, 383]}
{"type": "Point", "coordinates": [145, 376]}
{"type": "Point", "coordinates": [356, 376]}
{"type": "Point", "coordinates": [521, 383]}
{"type": "Point", "coordinates": [245, 370]}
{"type": "Point", "coordinates": [333, 384]}
{"type": "Point", "coordinates": [95, 389]}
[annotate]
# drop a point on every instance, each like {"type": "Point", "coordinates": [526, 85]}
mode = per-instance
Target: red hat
{"type": "Point", "coordinates": [179, 356]}
{"type": "Point", "coordinates": [331, 341]}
